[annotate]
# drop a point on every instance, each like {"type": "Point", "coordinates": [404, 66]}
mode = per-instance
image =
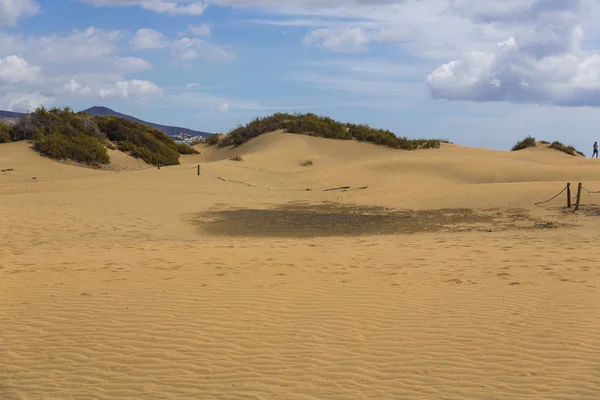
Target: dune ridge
{"type": "Point", "coordinates": [110, 289]}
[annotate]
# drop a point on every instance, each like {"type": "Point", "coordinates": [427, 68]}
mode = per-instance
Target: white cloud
{"type": "Point", "coordinates": [75, 88]}
{"type": "Point", "coordinates": [172, 7]}
{"type": "Point", "coordinates": [186, 49]}
{"type": "Point", "coordinates": [82, 64]}
{"type": "Point", "coordinates": [13, 10]}
{"type": "Point", "coordinates": [79, 46]}
{"type": "Point", "coordinates": [349, 40]}
{"type": "Point", "coordinates": [125, 89]}
{"type": "Point", "coordinates": [146, 38]}
{"type": "Point", "coordinates": [224, 107]}
{"type": "Point", "coordinates": [192, 85]}
{"type": "Point", "coordinates": [197, 30]}
{"type": "Point", "coordinates": [543, 63]}
{"type": "Point", "coordinates": [132, 64]}
{"type": "Point", "coordinates": [216, 53]}
{"type": "Point", "coordinates": [14, 69]}
{"type": "Point", "coordinates": [24, 102]}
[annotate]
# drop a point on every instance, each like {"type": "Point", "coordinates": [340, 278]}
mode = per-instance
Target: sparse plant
{"type": "Point", "coordinates": [544, 142]}
{"type": "Point", "coordinates": [214, 139]}
{"type": "Point", "coordinates": [525, 143]}
{"type": "Point", "coordinates": [570, 150]}
{"type": "Point", "coordinates": [307, 163]}
{"type": "Point", "coordinates": [236, 158]}
{"type": "Point", "coordinates": [110, 145]}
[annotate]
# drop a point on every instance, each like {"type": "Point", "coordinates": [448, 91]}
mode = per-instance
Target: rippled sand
{"type": "Point", "coordinates": [431, 277]}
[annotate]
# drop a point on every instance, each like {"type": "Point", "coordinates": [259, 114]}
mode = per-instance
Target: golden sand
{"type": "Point", "coordinates": [430, 276]}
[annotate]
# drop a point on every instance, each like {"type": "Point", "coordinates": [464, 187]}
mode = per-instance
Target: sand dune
{"type": "Point", "coordinates": [432, 276]}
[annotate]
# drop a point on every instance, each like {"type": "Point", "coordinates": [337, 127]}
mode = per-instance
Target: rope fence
{"type": "Point", "coordinates": [205, 171]}
{"type": "Point", "coordinates": [570, 196]}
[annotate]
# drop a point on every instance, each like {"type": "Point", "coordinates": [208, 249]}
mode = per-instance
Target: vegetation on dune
{"type": "Point", "coordinates": [6, 132]}
{"type": "Point", "coordinates": [307, 163]}
{"type": "Point", "coordinates": [142, 141]}
{"type": "Point", "coordinates": [530, 142]}
{"type": "Point", "coordinates": [315, 125]}
{"type": "Point", "coordinates": [525, 143]}
{"type": "Point", "coordinates": [64, 135]}
{"type": "Point", "coordinates": [570, 150]}
{"type": "Point", "coordinates": [78, 147]}
{"type": "Point", "coordinates": [236, 158]}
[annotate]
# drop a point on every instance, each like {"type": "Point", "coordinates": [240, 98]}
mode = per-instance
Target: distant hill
{"type": "Point", "coordinates": [9, 114]}
{"type": "Point", "coordinates": [173, 131]}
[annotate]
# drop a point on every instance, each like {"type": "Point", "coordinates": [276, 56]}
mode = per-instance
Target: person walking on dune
{"type": "Point", "coordinates": [595, 150]}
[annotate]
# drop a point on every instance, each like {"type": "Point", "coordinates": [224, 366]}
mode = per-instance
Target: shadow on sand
{"type": "Point", "coordinates": [304, 220]}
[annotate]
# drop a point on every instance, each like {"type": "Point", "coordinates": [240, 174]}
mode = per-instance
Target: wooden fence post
{"type": "Point", "coordinates": [158, 165]}
{"type": "Point", "coordinates": [198, 169]}
{"type": "Point", "coordinates": [569, 194]}
{"type": "Point", "coordinates": [578, 196]}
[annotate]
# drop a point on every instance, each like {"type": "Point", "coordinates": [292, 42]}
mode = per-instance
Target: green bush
{"type": "Point", "coordinates": [570, 150]}
{"type": "Point", "coordinates": [525, 143]}
{"type": "Point", "coordinates": [142, 141]}
{"type": "Point", "coordinates": [183, 148]}
{"type": "Point", "coordinates": [63, 134]}
{"type": "Point", "coordinates": [325, 127]}
{"type": "Point", "coordinates": [6, 132]}
{"type": "Point", "coordinates": [78, 147]}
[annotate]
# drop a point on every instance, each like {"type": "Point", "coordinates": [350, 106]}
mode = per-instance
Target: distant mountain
{"type": "Point", "coordinates": [9, 114]}
{"type": "Point", "coordinates": [173, 131]}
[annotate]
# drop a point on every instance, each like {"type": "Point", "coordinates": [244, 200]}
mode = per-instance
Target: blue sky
{"type": "Point", "coordinates": [478, 72]}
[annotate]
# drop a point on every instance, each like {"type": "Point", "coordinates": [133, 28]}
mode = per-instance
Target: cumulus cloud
{"type": "Point", "coordinates": [186, 49]}
{"type": "Point", "coordinates": [13, 10]}
{"type": "Point", "coordinates": [81, 64]}
{"type": "Point", "coordinates": [75, 88]}
{"type": "Point", "coordinates": [14, 69]}
{"type": "Point", "coordinates": [543, 63]}
{"type": "Point", "coordinates": [146, 38]}
{"type": "Point", "coordinates": [125, 89]}
{"type": "Point", "coordinates": [224, 107]}
{"type": "Point", "coordinates": [24, 102]}
{"type": "Point", "coordinates": [172, 7]}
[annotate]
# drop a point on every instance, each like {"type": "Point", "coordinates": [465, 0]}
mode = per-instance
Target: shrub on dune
{"type": "Point", "coordinates": [6, 132]}
{"type": "Point", "coordinates": [63, 134]}
{"type": "Point", "coordinates": [78, 147]}
{"type": "Point", "coordinates": [142, 141]}
{"type": "Point", "coordinates": [319, 126]}
{"type": "Point", "coordinates": [570, 150]}
{"type": "Point", "coordinates": [525, 143]}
